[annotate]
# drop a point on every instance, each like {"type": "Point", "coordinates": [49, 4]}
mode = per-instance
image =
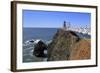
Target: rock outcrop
{"type": "Point", "coordinates": [60, 48]}
{"type": "Point", "coordinates": [67, 45]}
{"type": "Point", "coordinates": [39, 49]}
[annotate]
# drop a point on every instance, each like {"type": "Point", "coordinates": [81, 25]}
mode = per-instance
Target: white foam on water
{"type": "Point", "coordinates": [45, 51]}
{"type": "Point", "coordinates": [36, 41]}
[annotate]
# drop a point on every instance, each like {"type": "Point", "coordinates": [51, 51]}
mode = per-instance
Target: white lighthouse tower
{"type": "Point", "coordinates": [66, 26]}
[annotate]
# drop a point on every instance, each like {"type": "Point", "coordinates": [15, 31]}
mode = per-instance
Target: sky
{"type": "Point", "coordinates": [52, 19]}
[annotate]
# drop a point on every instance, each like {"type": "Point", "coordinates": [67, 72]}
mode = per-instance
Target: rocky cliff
{"type": "Point", "coordinates": [67, 45]}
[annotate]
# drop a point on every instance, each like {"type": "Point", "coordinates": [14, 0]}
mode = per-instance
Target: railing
{"type": "Point", "coordinates": [80, 30]}
{"type": "Point", "coordinates": [84, 30]}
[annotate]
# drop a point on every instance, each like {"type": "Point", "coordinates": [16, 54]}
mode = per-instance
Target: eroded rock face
{"type": "Point", "coordinates": [60, 48]}
{"type": "Point", "coordinates": [39, 49]}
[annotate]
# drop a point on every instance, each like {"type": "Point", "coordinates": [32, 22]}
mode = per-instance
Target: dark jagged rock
{"type": "Point", "coordinates": [60, 47]}
{"type": "Point", "coordinates": [39, 49]}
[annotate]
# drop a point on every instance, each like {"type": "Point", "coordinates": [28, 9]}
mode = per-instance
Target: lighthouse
{"type": "Point", "coordinates": [66, 26]}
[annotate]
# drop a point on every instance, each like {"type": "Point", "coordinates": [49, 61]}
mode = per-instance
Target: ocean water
{"type": "Point", "coordinates": [44, 34]}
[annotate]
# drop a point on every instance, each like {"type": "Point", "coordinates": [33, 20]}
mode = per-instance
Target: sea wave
{"type": "Point", "coordinates": [35, 41]}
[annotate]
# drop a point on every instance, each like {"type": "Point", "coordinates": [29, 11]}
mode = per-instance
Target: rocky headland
{"type": "Point", "coordinates": [67, 45]}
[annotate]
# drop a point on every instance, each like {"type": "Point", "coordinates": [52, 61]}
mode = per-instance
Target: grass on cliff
{"type": "Point", "coordinates": [81, 50]}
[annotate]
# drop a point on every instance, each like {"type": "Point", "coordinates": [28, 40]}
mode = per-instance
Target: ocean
{"type": "Point", "coordinates": [29, 34]}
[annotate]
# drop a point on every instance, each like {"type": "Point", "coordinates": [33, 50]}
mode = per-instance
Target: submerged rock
{"type": "Point", "coordinates": [39, 49]}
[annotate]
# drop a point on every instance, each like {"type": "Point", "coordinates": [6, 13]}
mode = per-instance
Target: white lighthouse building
{"type": "Point", "coordinates": [66, 26]}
